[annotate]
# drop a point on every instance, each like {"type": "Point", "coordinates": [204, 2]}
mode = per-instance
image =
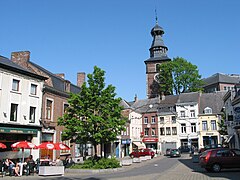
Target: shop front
{"type": "Point", "coordinates": [151, 143]}
{"type": "Point", "coordinates": [10, 135]}
{"type": "Point", "coordinates": [125, 147]}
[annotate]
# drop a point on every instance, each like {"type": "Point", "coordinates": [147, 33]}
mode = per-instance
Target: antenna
{"type": "Point", "coordinates": [156, 15]}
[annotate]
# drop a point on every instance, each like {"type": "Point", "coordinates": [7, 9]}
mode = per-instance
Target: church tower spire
{"type": "Point", "coordinates": [158, 55]}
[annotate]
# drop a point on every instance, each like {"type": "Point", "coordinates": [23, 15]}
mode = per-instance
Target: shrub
{"type": "Point", "coordinates": [103, 163]}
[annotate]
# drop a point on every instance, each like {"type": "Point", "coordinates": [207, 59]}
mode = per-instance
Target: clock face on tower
{"type": "Point", "coordinates": [156, 77]}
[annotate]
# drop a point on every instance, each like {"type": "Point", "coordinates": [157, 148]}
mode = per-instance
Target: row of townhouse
{"type": "Point", "coordinates": [31, 100]}
{"type": "Point", "coordinates": [185, 120]}
{"type": "Point", "coordinates": [232, 113]}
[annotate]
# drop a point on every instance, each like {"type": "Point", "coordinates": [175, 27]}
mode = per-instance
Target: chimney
{"type": "Point", "coordinates": [80, 78]}
{"type": "Point", "coordinates": [135, 98]}
{"type": "Point", "coordinates": [162, 96]}
{"type": "Point", "coordinates": [61, 75]}
{"type": "Point", "coordinates": [21, 58]}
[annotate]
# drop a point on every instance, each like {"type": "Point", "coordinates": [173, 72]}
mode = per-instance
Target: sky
{"type": "Point", "coordinates": [71, 36]}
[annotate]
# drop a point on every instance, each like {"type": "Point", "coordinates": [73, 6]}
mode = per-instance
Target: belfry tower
{"type": "Point", "coordinates": [158, 55]}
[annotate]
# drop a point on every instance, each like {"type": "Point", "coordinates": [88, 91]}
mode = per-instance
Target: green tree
{"type": "Point", "coordinates": [180, 76]}
{"type": "Point", "coordinates": [94, 115]}
{"type": "Point", "coordinates": [164, 78]}
{"type": "Point", "coordinates": [222, 127]}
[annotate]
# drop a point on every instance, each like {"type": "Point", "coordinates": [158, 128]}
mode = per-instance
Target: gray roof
{"type": "Point", "coordinates": [161, 58]}
{"type": "Point", "coordinates": [58, 82]}
{"type": "Point", "coordinates": [188, 97]}
{"type": "Point", "coordinates": [222, 78]}
{"type": "Point", "coordinates": [10, 65]}
{"type": "Point", "coordinates": [143, 106]}
{"type": "Point", "coordinates": [213, 101]}
{"type": "Point", "coordinates": [125, 104]}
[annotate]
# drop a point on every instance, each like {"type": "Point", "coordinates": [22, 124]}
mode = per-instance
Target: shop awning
{"type": "Point", "coordinates": [139, 144]}
{"type": "Point", "coordinates": [229, 138]}
{"type": "Point", "coordinates": [12, 130]}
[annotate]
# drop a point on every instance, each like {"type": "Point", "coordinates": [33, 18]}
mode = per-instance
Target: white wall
{"type": "Point", "coordinates": [24, 100]}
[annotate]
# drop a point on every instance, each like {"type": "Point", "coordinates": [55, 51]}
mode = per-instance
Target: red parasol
{"type": "Point", "coordinates": [61, 146]}
{"type": "Point", "coordinates": [24, 145]}
{"type": "Point", "coordinates": [3, 146]}
{"type": "Point", "coordinates": [46, 145]}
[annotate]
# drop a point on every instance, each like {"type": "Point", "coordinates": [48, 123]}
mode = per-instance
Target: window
{"type": "Point", "coordinates": [192, 113]}
{"type": "Point", "coordinates": [32, 114]}
{"type": "Point", "coordinates": [162, 131]}
{"type": "Point", "coordinates": [174, 130]}
{"type": "Point", "coordinates": [153, 120]}
{"type": "Point", "coordinates": [65, 106]}
{"type": "Point", "coordinates": [182, 113]}
{"type": "Point", "coordinates": [168, 131]}
{"type": "Point", "coordinates": [13, 115]}
{"type": "Point", "coordinates": [145, 120]}
{"type": "Point", "coordinates": [193, 127]}
{"type": "Point", "coordinates": [213, 125]}
{"type": "Point", "coordinates": [204, 125]}
{"type": "Point", "coordinates": [15, 85]}
{"type": "Point", "coordinates": [146, 131]}
{"type": "Point", "coordinates": [161, 120]}
{"type": "Point", "coordinates": [33, 90]}
{"type": "Point", "coordinates": [153, 132]}
{"type": "Point", "coordinates": [183, 128]}
{"type": "Point", "coordinates": [49, 109]}
{"type": "Point", "coordinates": [208, 110]}
{"type": "Point", "coordinates": [173, 119]}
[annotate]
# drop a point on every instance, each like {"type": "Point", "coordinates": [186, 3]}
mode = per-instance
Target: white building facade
{"type": "Point", "coordinates": [20, 107]}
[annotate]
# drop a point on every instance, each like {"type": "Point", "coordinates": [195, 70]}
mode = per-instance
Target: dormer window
{"type": "Point", "coordinates": [207, 110]}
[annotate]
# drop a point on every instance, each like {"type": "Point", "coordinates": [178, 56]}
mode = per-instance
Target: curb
{"type": "Point", "coordinates": [123, 168]}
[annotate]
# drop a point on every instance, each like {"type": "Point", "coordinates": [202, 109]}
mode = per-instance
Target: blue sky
{"type": "Point", "coordinates": [70, 36]}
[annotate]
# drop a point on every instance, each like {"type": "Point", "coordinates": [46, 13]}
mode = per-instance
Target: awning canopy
{"type": "Point", "coordinates": [139, 145]}
{"type": "Point", "coordinates": [229, 138]}
{"type": "Point", "coordinates": [13, 130]}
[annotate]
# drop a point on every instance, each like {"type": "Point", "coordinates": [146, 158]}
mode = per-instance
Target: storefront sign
{"type": "Point", "coordinates": [150, 139]}
{"type": "Point", "coordinates": [126, 141]}
{"type": "Point", "coordinates": [18, 130]}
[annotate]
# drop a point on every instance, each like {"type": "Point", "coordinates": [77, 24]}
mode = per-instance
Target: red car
{"type": "Point", "coordinates": [142, 152]}
{"type": "Point", "coordinates": [220, 158]}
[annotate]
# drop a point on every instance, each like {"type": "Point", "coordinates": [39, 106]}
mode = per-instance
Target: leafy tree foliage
{"type": "Point", "coordinates": [178, 76]}
{"type": "Point", "coordinates": [222, 127]}
{"type": "Point", "coordinates": [94, 115]}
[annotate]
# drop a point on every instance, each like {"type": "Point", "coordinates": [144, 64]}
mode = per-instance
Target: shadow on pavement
{"type": "Point", "coordinates": [225, 173]}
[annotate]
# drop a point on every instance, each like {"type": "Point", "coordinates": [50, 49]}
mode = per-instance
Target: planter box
{"type": "Point", "coordinates": [143, 158]}
{"type": "Point", "coordinates": [51, 170]}
{"type": "Point", "coordinates": [126, 162]}
{"type": "Point", "coordinates": [136, 160]}
{"type": "Point", "coordinates": [148, 157]}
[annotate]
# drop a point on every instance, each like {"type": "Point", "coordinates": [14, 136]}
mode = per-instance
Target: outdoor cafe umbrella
{"type": "Point", "coordinates": [23, 145]}
{"type": "Point", "coordinates": [46, 145]}
{"type": "Point", "coordinates": [61, 146]}
{"type": "Point", "coordinates": [2, 146]}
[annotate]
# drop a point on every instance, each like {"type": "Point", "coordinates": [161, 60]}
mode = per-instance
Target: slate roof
{"type": "Point", "coordinates": [10, 65]}
{"type": "Point", "coordinates": [161, 58]}
{"type": "Point", "coordinates": [58, 82]}
{"type": "Point", "coordinates": [213, 101]}
{"type": "Point", "coordinates": [188, 97]}
{"type": "Point", "coordinates": [222, 78]}
{"type": "Point", "coordinates": [143, 105]}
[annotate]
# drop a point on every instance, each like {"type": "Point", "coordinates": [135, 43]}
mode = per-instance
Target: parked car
{"type": "Point", "coordinates": [142, 152]}
{"type": "Point", "coordinates": [212, 146]}
{"type": "Point", "coordinates": [220, 158]}
{"type": "Point", "coordinates": [168, 152]}
{"type": "Point", "coordinates": [175, 153]}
